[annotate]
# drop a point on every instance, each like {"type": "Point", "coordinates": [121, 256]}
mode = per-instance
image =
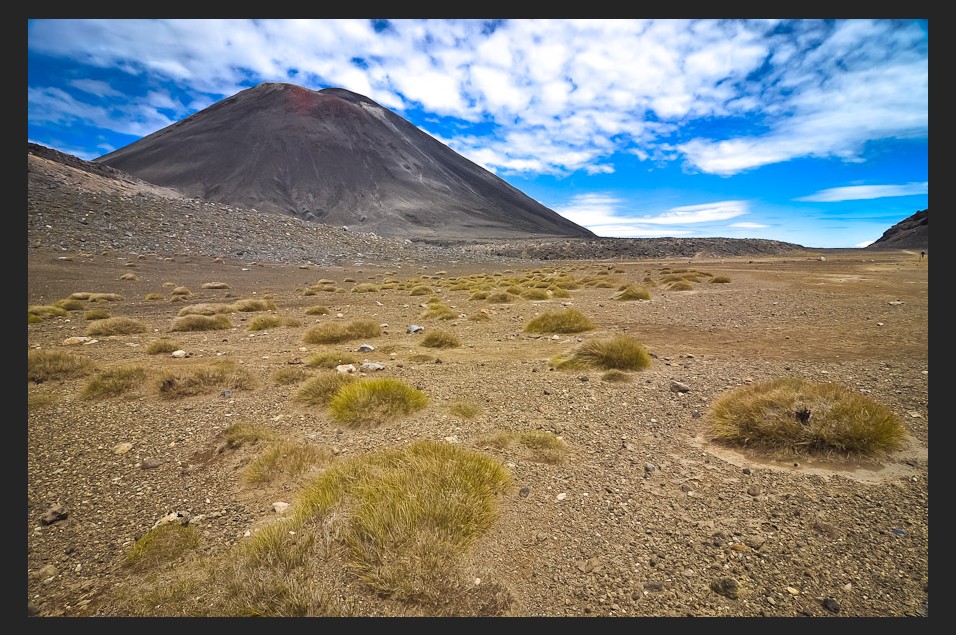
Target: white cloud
{"type": "Point", "coordinates": [861, 192]}
{"type": "Point", "coordinates": [588, 88]}
{"type": "Point", "coordinates": [603, 214]}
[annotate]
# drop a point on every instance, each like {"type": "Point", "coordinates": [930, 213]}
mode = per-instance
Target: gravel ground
{"type": "Point", "coordinates": [645, 518]}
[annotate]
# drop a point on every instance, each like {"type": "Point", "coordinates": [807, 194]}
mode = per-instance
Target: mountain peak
{"type": "Point", "coordinates": [336, 157]}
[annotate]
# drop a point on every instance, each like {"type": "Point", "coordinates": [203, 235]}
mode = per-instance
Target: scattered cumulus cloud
{"type": "Point", "coordinates": [592, 87]}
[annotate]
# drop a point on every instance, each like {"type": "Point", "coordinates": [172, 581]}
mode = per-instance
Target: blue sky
{"type": "Point", "coordinates": [808, 131]}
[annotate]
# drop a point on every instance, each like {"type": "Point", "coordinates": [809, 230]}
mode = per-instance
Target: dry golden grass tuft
{"type": "Point", "coordinates": [162, 545]}
{"type": "Point", "coordinates": [201, 323]}
{"type": "Point", "coordinates": [162, 345]}
{"type": "Point", "coordinates": [113, 382]}
{"type": "Point", "coordinates": [263, 322]}
{"type": "Point", "coordinates": [246, 432]}
{"type": "Point", "coordinates": [465, 409]}
{"type": "Point", "coordinates": [39, 312]}
{"type": "Point", "coordinates": [319, 390]}
{"type": "Point", "coordinates": [116, 326]}
{"type": "Point", "coordinates": [631, 292]}
{"type": "Point", "coordinates": [620, 352]}
{"type": "Point", "coordinates": [285, 460]}
{"type": "Point", "coordinates": [798, 416]}
{"type": "Point", "coordinates": [563, 321]}
{"type": "Point", "coordinates": [47, 364]}
{"type": "Point", "coordinates": [223, 376]}
{"type": "Point", "coordinates": [370, 402]}
{"type": "Point", "coordinates": [335, 332]}
{"type": "Point", "coordinates": [290, 375]}
{"type": "Point", "coordinates": [440, 339]}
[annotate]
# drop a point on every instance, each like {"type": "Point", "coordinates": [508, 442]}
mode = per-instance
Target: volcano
{"type": "Point", "coordinates": [335, 157]}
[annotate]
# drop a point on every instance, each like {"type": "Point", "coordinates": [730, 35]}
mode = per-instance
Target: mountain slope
{"type": "Point", "coordinates": [910, 233]}
{"type": "Point", "coordinates": [339, 158]}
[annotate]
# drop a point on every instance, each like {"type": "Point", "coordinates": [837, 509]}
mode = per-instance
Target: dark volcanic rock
{"type": "Point", "coordinates": [909, 233]}
{"type": "Point", "coordinates": [338, 158]}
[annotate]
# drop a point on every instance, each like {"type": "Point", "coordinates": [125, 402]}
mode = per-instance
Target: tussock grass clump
{"type": "Point", "coordinates": [479, 295]}
{"type": "Point", "coordinates": [365, 287]}
{"type": "Point", "coordinates": [440, 339]}
{"type": "Point", "coordinates": [368, 402]}
{"type": "Point", "coordinates": [154, 296]}
{"type": "Point", "coordinates": [98, 297]}
{"type": "Point", "coordinates": [241, 433]}
{"type": "Point", "coordinates": [39, 312]}
{"type": "Point", "coordinates": [37, 400]}
{"type": "Point", "coordinates": [46, 364]}
{"type": "Point", "coordinates": [116, 326]}
{"type": "Point", "coordinates": [319, 390]}
{"type": "Point", "coordinates": [290, 375]}
{"type": "Point", "coordinates": [220, 376]}
{"type": "Point", "coordinates": [201, 323]}
{"type": "Point", "coordinates": [96, 314]}
{"type": "Point", "coordinates": [501, 297]}
{"type": "Point", "coordinates": [70, 304]}
{"type": "Point", "coordinates": [680, 285]}
{"type": "Point", "coordinates": [207, 308]}
{"type": "Point", "coordinates": [421, 289]}
{"type": "Point", "coordinates": [263, 322]}
{"type": "Point", "coordinates": [335, 332]}
{"type": "Point", "coordinates": [540, 446]}
{"type": "Point", "coordinates": [564, 321]}
{"type": "Point", "coordinates": [160, 346]}
{"type": "Point", "coordinates": [113, 382]}
{"type": "Point", "coordinates": [535, 293]}
{"type": "Point", "coordinates": [464, 409]}
{"type": "Point", "coordinates": [415, 511]}
{"type": "Point", "coordinates": [437, 311]}
{"type": "Point", "coordinates": [285, 460]}
{"type": "Point", "coordinates": [129, 275]}
{"type": "Point", "coordinates": [317, 310]}
{"type": "Point", "coordinates": [620, 352]}
{"type": "Point", "coordinates": [554, 291]}
{"type": "Point", "coordinates": [631, 292]}
{"type": "Point", "coordinates": [161, 545]}
{"type": "Point", "coordinates": [789, 415]}
{"type": "Point", "coordinates": [720, 280]}
{"type": "Point", "coordinates": [215, 285]}
{"type": "Point", "coordinates": [251, 305]}
{"type": "Point", "coordinates": [181, 292]}
{"type": "Point", "coordinates": [400, 521]}
{"type": "Point", "coordinates": [480, 315]}
{"type": "Point", "coordinates": [330, 360]}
